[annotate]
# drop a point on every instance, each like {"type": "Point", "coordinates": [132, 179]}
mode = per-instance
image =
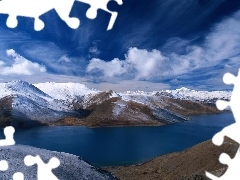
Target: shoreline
{"type": "Point", "coordinates": [189, 164]}
{"type": "Point", "coordinates": [79, 122]}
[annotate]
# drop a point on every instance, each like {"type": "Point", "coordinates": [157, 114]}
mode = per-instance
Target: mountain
{"type": "Point", "coordinates": [71, 167]}
{"type": "Point", "coordinates": [25, 105]}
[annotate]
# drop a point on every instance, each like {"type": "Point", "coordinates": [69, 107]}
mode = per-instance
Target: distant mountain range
{"type": "Point", "coordinates": [26, 105]}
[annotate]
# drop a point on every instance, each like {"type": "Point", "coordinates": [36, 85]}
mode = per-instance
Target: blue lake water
{"type": "Point", "coordinates": [124, 145]}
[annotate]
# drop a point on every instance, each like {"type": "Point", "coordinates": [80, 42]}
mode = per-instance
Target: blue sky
{"type": "Point", "coordinates": [154, 45]}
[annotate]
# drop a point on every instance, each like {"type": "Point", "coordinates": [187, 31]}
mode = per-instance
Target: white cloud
{"type": "Point", "coordinates": [139, 62]}
{"type": "Point", "coordinates": [221, 44]}
{"type": "Point", "coordinates": [148, 64]}
{"type": "Point", "coordinates": [109, 69]}
{"type": "Point", "coordinates": [20, 65]}
{"type": "Point", "coordinates": [94, 51]}
{"type": "Point", "coordinates": [64, 59]}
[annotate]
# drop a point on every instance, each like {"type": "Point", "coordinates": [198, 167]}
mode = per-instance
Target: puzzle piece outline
{"type": "Point", "coordinates": [35, 8]}
{"type": "Point", "coordinates": [15, 8]}
{"type": "Point", "coordinates": [101, 4]}
{"type": "Point", "coordinates": [230, 131]}
{"type": "Point", "coordinates": [233, 167]}
{"type": "Point", "coordinates": [8, 133]}
{"type": "Point", "coordinates": [44, 171]}
{"type": "Point", "coordinates": [8, 141]}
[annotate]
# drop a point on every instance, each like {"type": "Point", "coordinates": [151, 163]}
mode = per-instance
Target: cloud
{"type": "Point", "coordinates": [109, 69]}
{"type": "Point", "coordinates": [20, 65]}
{"type": "Point", "coordinates": [138, 63]}
{"type": "Point", "coordinates": [93, 51]}
{"type": "Point", "coordinates": [220, 50]}
{"type": "Point", "coordinates": [56, 60]}
{"type": "Point", "coordinates": [64, 59]}
{"type": "Point", "coordinates": [129, 85]}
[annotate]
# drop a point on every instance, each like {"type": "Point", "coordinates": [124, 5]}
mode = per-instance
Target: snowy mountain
{"type": "Point", "coordinates": [71, 167]}
{"type": "Point", "coordinates": [66, 91]}
{"type": "Point", "coordinates": [185, 93]}
{"type": "Point", "coordinates": [27, 103]}
{"type": "Point", "coordinates": [23, 104]}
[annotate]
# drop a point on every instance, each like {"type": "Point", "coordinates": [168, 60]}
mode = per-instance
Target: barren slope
{"type": "Point", "coordinates": [190, 164]}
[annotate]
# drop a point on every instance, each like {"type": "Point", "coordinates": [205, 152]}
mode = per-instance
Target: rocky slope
{"type": "Point", "coordinates": [71, 167]}
{"type": "Point", "coordinates": [25, 105]}
{"type": "Point", "coordinates": [189, 164]}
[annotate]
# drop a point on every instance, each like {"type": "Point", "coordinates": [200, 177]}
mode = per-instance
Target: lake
{"type": "Point", "coordinates": [124, 145]}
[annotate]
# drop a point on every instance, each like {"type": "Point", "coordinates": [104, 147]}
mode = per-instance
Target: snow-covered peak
{"type": "Point", "coordinates": [185, 93]}
{"type": "Point", "coordinates": [183, 89]}
{"type": "Point", "coordinates": [65, 91]}
{"type": "Point", "coordinates": [31, 102]}
{"type": "Point", "coordinates": [138, 92]}
{"type": "Point", "coordinates": [19, 88]}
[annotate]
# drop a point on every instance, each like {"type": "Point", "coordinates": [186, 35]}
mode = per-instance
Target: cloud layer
{"type": "Point", "coordinates": [219, 51]}
{"type": "Point", "coordinates": [20, 65]}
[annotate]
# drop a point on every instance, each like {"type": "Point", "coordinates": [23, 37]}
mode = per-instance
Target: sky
{"type": "Point", "coordinates": [153, 45]}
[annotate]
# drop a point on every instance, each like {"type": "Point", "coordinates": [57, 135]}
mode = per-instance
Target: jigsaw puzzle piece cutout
{"type": "Point", "coordinates": [3, 165]}
{"type": "Point", "coordinates": [231, 131]}
{"type": "Point", "coordinates": [63, 9]}
{"type": "Point", "coordinates": [234, 101]}
{"type": "Point", "coordinates": [232, 172]}
{"type": "Point", "coordinates": [101, 4]}
{"type": "Point", "coordinates": [229, 78]}
{"type": "Point", "coordinates": [18, 176]}
{"type": "Point", "coordinates": [36, 8]}
{"type": "Point", "coordinates": [44, 170]}
{"type": "Point", "coordinates": [221, 105]}
{"type": "Point", "coordinates": [114, 6]}
{"type": "Point", "coordinates": [8, 133]}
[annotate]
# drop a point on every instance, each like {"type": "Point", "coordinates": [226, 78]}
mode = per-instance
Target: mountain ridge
{"type": "Point", "coordinates": [75, 104]}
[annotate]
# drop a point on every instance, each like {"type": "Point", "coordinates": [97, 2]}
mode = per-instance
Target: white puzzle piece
{"type": "Point", "coordinates": [232, 131]}
{"type": "Point", "coordinates": [44, 170]}
{"type": "Point", "coordinates": [36, 8]}
{"type": "Point", "coordinates": [101, 4]}
{"type": "Point", "coordinates": [8, 132]}
{"type": "Point", "coordinates": [3, 165]}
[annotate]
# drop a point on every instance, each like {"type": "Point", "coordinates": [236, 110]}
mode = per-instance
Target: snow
{"type": "Point", "coordinates": [185, 93]}
{"type": "Point", "coordinates": [66, 91]}
{"type": "Point", "coordinates": [119, 107]}
{"type": "Point", "coordinates": [32, 103]}
{"type": "Point", "coordinates": [23, 91]}
{"type": "Point", "coordinates": [54, 95]}
{"type": "Point", "coordinates": [182, 93]}
{"type": "Point", "coordinates": [114, 94]}
{"type": "Point", "coordinates": [71, 167]}
{"type": "Point", "coordinates": [51, 101]}
{"type": "Point", "coordinates": [19, 87]}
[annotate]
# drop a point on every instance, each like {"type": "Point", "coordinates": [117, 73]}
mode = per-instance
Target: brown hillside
{"type": "Point", "coordinates": [190, 164]}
